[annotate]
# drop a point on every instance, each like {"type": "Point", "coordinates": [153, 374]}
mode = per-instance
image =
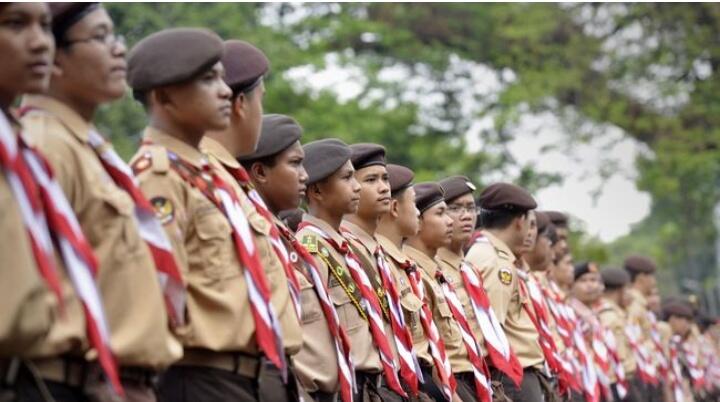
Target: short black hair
{"type": "Point", "coordinates": [498, 218]}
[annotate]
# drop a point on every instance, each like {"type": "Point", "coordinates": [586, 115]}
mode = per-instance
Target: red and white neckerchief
{"type": "Point", "coordinates": [662, 362]}
{"type": "Point", "coordinates": [565, 326]}
{"type": "Point", "coordinates": [697, 374]}
{"type": "Point", "coordinates": [676, 384]}
{"type": "Point", "coordinates": [481, 373]}
{"type": "Point", "coordinates": [499, 350]}
{"type": "Point", "coordinates": [590, 384]}
{"type": "Point", "coordinates": [242, 177]}
{"type": "Point", "coordinates": [342, 342]}
{"type": "Point", "coordinates": [645, 369]}
{"type": "Point", "coordinates": [712, 370]}
{"type": "Point", "coordinates": [150, 229]}
{"type": "Point", "coordinates": [437, 346]}
{"type": "Point", "coordinates": [621, 383]}
{"type": "Point", "coordinates": [48, 212]}
{"type": "Point", "coordinates": [603, 362]}
{"type": "Point", "coordinates": [268, 333]}
{"type": "Point", "coordinates": [409, 365]}
{"type": "Point", "coordinates": [370, 303]}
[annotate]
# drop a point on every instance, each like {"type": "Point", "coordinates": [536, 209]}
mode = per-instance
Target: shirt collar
{"type": "Point", "coordinates": [449, 257]}
{"type": "Point", "coordinates": [367, 240]}
{"type": "Point", "coordinates": [391, 249]}
{"type": "Point", "coordinates": [75, 123]}
{"type": "Point", "coordinates": [501, 248]}
{"type": "Point", "coordinates": [183, 150]}
{"type": "Point", "coordinates": [215, 149]}
{"type": "Point", "coordinates": [334, 235]}
{"type": "Point", "coordinates": [426, 263]}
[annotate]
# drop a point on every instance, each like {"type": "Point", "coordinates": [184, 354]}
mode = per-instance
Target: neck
{"type": "Point", "coordinates": [85, 109]}
{"type": "Point", "coordinates": [390, 231]}
{"type": "Point", "coordinates": [189, 136]}
{"type": "Point", "coordinates": [639, 288]}
{"type": "Point", "coordinates": [417, 243]}
{"type": "Point", "coordinates": [613, 296]}
{"type": "Point", "coordinates": [332, 219]}
{"type": "Point", "coordinates": [504, 236]}
{"type": "Point", "coordinates": [456, 246]}
{"type": "Point", "coordinates": [226, 138]}
{"type": "Point", "coordinates": [368, 225]}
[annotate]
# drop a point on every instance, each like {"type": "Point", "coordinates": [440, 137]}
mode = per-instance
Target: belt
{"type": "Point", "coordinates": [9, 369]}
{"type": "Point", "coordinates": [363, 377]}
{"type": "Point", "coordinates": [234, 362]}
{"type": "Point", "coordinates": [320, 396]}
{"type": "Point", "coordinates": [138, 376]}
{"type": "Point", "coordinates": [69, 370]}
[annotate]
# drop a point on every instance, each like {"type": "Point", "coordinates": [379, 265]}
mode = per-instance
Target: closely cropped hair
{"type": "Point", "coordinates": [498, 219]}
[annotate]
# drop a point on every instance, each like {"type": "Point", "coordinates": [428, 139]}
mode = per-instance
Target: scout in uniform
{"type": "Point", "coordinates": [504, 215]}
{"type": "Point", "coordinates": [560, 221]}
{"type": "Point", "coordinates": [332, 191]}
{"type": "Point", "coordinates": [462, 350]}
{"type": "Point", "coordinates": [398, 224]}
{"type": "Point", "coordinates": [465, 279]}
{"type": "Point", "coordinates": [678, 316]}
{"type": "Point", "coordinates": [177, 75]}
{"type": "Point", "coordinates": [359, 228]}
{"type": "Point", "coordinates": [612, 316]}
{"type": "Point", "coordinates": [245, 65]}
{"type": "Point", "coordinates": [277, 172]}
{"type": "Point", "coordinates": [90, 66]}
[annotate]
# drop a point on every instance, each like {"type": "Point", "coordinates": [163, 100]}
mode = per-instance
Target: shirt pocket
{"type": "Point", "coordinates": [216, 246]}
{"type": "Point", "coordinates": [116, 229]}
{"type": "Point", "coordinates": [347, 312]}
{"type": "Point", "coordinates": [311, 308]}
{"type": "Point", "coordinates": [448, 325]}
{"type": "Point", "coordinates": [412, 306]}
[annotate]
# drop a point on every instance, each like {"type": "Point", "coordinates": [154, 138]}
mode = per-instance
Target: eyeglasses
{"type": "Point", "coordinates": [109, 39]}
{"type": "Point", "coordinates": [459, 209]}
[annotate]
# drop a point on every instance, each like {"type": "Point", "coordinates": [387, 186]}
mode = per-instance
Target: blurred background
{"type": "Point", "coordinates": [610, 112]}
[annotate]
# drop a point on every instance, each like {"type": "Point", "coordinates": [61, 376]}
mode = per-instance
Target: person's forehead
{"type": "Point", "coordinates": [465, 199]}
{"type": "Point", "coordinates": [25, 8]}
{"type": "Point", "coordinates": [96, 19]}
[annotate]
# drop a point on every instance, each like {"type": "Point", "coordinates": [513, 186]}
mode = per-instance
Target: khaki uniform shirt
{"type": "Point", "coordinates": [411, 304]}
{"type": "Point", "coordinates": [364, 353]}
{"type": "Point", "coordinates": [365, 244]}
{"type": "Point", "coordinates": [450, 264]}
{"type": "Point", "coordinates": [442, 315]}
{"type": "Point", "coordinates": [127, 279]}
{"type": "Point", "coordinates": [29, 308]}
{"type": "Point", "coordinates": [613, 317]}
{"type": "Point", "coordinates": [496, 263]}
{"type": "Point", "coordinates": [316, 362]}
{"type": "Point", "coordinates": [219, 157]}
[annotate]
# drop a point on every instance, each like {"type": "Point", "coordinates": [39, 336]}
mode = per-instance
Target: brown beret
{"type": "Point", "coordinates": [172, 56]}
{"type": "Point", "coordinates": [427, 195]}
{"type": "Point", "coordinates": [400, 177]}
{"type": "Point", "coordinates": [558, 219]}
{"type": "Point", "coordinates": [278, 133]}
{"type": "Point", "coordinates": [455, 186]}
{"type": "Point", "coordinates": [637, 264]}
{"type": "Point", "coordinates": [366, 155]}
{"type": "Point", "coordinates": [65, 15]}
{"type": "Point", "coordinates": [244, 65]}
{"type": "Point", "coordinates": [507, 197]}
{"type": "Point", "coordinates": [324, 157]}
{"type": "Point", "coordinates": [584, 268]}
{"type": "Point", "coordinates": [543, 222]}
{"type": "Point", "coordinates": [614, 278]}
{"type": "Point", "coordinates": [677, 308]}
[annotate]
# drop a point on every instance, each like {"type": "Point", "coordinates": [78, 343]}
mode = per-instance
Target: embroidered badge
{"type": "Point", "coordinates": [505, 275]}
{"type": "Point", "coordinates": [164, 209]}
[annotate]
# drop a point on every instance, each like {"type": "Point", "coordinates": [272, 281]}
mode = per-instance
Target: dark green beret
{"type": "Point", "coordinates": [365, 155]}
{"type": "Point", "coordinates": [543, 222]}
{"type": "Point", "coordinates": [455, 186]}
{"type": "Point", "coordinates": [172, 56]}
{"type": "Point", "coordinates": [506, 197]}
{"type": "Point", "coordinates": [584, 268]}
{"type": "Point", "coordinates": [400, 177]}
{"type": "Point", "coordinates": [637, 264]}
{"type": "Point", "coordinates": [614, 278]}
{"type": "Point", "coordinates": [278, 133]}
{"type": "Point", "coordinates": [65, 15]}
{"type": "Point", "coordinates": [244, 65]}
{"type": "Point", "coordinates": [558, 219]}
{"type": "Point", "coordinates": [679, 309]}
{"type": "Point", "coordinates": [324, 157]}
{"type": "Point", "coordinates": [427, 195]}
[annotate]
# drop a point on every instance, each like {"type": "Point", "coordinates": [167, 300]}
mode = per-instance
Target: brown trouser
{"type": "Point", "coordinates": [530, 390]}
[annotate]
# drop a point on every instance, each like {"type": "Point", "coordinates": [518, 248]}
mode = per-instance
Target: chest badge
{"type": "Point", "coordinates": [505, 275]}
{"type": "Point", "coordinates": [164, 209]}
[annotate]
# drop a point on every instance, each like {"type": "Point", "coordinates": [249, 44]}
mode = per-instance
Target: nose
{"type": "Point", "coordinates": [356, 185]}
{"type": "Point", "coordinates": [303, 175]}
{"type": "Point", "coordinates": [41, 41]}
{"type": "Point", "coordinates": [225, 91]}
{"type": "Point", "coordinates": [119, 48]}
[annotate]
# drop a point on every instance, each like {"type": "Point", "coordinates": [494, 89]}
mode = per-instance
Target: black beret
{"type": "Point", "coordinates": [400, 177]}
{"type": "Point", "coordinates": [584, 268]}
{"type": "Point", "coordinates": [506, 196]}
{"type": "Point", "coordinates": [65, 15]}
{"type": "Point", "coordinates": [244, 65]}
{"type": "Point", "coordinates": [455, 186]}
{"type": "Point", "coordinates": [324, 157]}
{"type": "Point", "coordinates": [558, 219]}
{"type": "Point", "coordinates": [365, 155]}
{"type": "Point", "coordinates": [278, 133]}
{"type": "Point", "coordinates": [677, 308]}
{"type": "Point", "coordinates": [172, 56]}
{"type": "Point", "coordinates": [427, 195]}
{"type": "Point", "coordinates": [637, 264]}
{"type": "Point", "coordinates": [614, 278]}
{"type": "Point", "coordinates": [543, 222]}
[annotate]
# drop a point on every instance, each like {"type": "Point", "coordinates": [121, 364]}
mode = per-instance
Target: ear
{"type": "Point", "coordinates": [314, 192]}
{"type": "Point", "coordinates": [160, 97]}
{"type": "Point", "coordinates": [239, 105]}
{"type": "Point", "coordinates": [258, 172]}
{"type": "Point", "coordinates": [394, 208]}
{"type": "Point", "coordinates": [56, 70]}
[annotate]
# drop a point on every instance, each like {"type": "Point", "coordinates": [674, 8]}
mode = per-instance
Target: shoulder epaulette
{"type": "Point", "coordinates": [160, 159]}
